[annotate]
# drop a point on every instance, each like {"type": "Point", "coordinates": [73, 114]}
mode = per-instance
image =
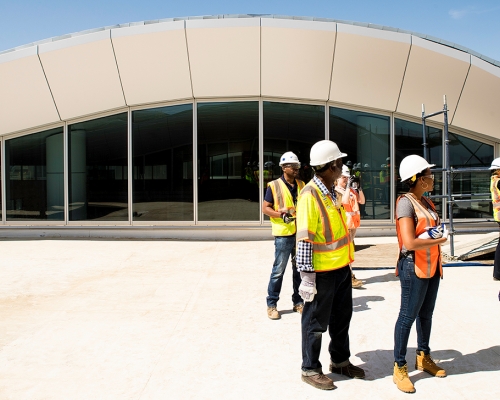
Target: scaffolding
{"type": "Point", "coordinates": [448, 170]}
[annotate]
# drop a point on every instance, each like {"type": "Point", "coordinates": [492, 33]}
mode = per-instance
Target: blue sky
{"type": "Point", "coordinates": [473, 24]}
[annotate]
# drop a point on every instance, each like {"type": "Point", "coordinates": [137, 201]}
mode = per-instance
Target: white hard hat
{"type": "Point", "coordinates": [412, 165]}
{"type": "Point", "coordinates": [367, 165]}
{"type": "Point", "coordinates": [345, 171]}
{"type": "Point", "coordinates": [325, 151]}
{"type": "Point", "coordinates": [495, 164]}
{"type": "Point", "coordinates": [289, 158]}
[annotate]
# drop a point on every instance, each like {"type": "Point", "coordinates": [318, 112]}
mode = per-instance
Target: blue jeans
{"type": "Point", "coordinates": [331, 309]}
{"type": "Point", "coordinates": [284, 247]}
{"type": "Point", "coordinates": [418, 298]}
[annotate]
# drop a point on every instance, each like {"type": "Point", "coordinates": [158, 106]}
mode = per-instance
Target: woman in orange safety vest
{"type": "Point", "coordinates": [420, 235]}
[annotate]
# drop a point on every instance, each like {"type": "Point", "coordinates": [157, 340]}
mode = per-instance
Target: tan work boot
{"type": "Point", "coordinates": [401, 379]}
{"type": "Point", "coordinates": [298, 308]}
{"type": "Point", "coordinates": [424, 362]}
{"type": "Point", "coordinates": [273, 313]}
{"type": "Point", "coordinates": [356, 283]}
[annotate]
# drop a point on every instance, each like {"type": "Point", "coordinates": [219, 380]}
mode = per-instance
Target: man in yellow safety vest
{"type": "Point", "coordinates": [279, 204]}
{"type": "Point", "coordinates": [324, 252]}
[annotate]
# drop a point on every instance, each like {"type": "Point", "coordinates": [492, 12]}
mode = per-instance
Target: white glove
{"type": "Point", "coordinates": [307, 288]}
{"type": "Point", "coordinates": [287, 217]}
{"type": "Point", "coordinates": [349, 182]}
{"type": "Point", "coordinates": [445, 231]}
{"type": "Point", "coordinates": [435, 232]}
{"type": "Point", "coordinates": [424, 235]}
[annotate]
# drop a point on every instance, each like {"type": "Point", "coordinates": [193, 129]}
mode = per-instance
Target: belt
{"type": "Point", "coordinates": [408, 255]}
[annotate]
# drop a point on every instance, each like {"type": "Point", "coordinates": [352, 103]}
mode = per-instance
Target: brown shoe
{"type": "Point", "coordinates": [424, 362]}
{"type": "Point", "coordinates": [298, 308]}
{"type": "Point", "coordinates": [319, 381]}
{"type": "Point", "coordinates": [356, 283]}
{"type": "Point", "coordinates": [273, 313]}
{"type": "Point", "coordinates": [349, 370]}
{"type": "Point", "coordinates": [401, 378]}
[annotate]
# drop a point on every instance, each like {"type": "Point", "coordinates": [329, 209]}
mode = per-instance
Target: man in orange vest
{"type": "Point", "coordinates": [279, 204]}
{"type": "Point", "coordinates": [351, 199]}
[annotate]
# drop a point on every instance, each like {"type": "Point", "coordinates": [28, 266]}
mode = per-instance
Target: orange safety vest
{"type": "Point", "coordinates": [495, 197]}
{"type": "Point", "coordinates": [426, 260]}
{"type": "Point", "coordinates": [351, 208]}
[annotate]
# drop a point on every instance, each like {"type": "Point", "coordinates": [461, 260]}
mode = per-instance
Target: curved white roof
{"type": "Point", "coordinates": [308, 59]}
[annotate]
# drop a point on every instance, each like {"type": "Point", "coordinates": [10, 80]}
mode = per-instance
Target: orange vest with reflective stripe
{"type": "Point", "coordinates": [283, 199]}
{"type": "Point", "coordinates": [426, 260]}
{"type": "Point", "coordinates": [322, 222]}
{"type": "Point", "coordinates": [351, 208]}
{"type": "Point", "coordinates": [495, 197]}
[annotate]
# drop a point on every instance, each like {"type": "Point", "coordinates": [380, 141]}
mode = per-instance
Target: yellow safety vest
{"type": "Point", "coordinates": [495, 197]}
{"type": "Point", "coordinates": [322, 222]}
{"type": "Point", "coordinates": [283, 199]}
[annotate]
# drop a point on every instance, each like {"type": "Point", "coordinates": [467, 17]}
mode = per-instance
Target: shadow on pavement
{"type": "Point", "coordinates": [389, 277]}
{"type": "Point", "coordinates": [378, 364]}
{"type": "Point", "coordinates": [361, 303]}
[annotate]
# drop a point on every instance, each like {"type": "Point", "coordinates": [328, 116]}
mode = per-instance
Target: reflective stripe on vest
{"type": "Point", "coordinates": [321, 223]}
{"type": "Point", "coordinates": [426, 260]}
{"type": "Point", "coordinates": [283, 199]}
{"type": "Point", "coordinates": [495, 197]}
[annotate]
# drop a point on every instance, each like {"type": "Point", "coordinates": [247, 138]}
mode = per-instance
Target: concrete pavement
{"type": "Point", "coordinates": [184, 320]}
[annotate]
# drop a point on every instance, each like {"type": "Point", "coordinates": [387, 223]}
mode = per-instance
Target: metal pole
{"type": "Point", "coordinates": [448, 176]}
{"type": "Point", "coordinates": [424, 136]}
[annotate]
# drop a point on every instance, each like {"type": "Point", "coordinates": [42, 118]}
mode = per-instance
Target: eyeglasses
{"type": "Point", "coordinates": [292, 166]}
{"type": "Point", "coordinates": [429, 176]}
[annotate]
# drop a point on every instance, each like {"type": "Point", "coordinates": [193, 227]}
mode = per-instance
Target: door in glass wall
{"type": "Point", "coordinates": [290, 127]}
{"type": "Point", "coordinates": [473, 187]}
{"type": "Point", "coordinates": [35, 177]}
{"type": "Point", "coordinates": [366, 140]}
{"type": "Point", "coordinates": [162, 152]}
{"type": "Point", "coordinates": [98, 176]}
{"type": "Point", "coordinates": [409, 140]}
{"type": "Point", "coordinates": [228, 155]}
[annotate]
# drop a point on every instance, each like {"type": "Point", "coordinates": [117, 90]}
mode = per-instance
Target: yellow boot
{"type": "Point", "coordinates": [424, 362]}
{"type": "Point", "coordinates": [401, 379]}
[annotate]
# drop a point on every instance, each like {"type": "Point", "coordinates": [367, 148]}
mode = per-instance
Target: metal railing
{"type": "Point", "coordinates": [451, 198]}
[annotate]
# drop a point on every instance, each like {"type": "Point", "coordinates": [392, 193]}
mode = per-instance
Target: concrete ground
{"type": "Point", "coordinates": [187, 320]}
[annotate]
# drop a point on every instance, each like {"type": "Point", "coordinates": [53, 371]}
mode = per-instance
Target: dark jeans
{"type": "Point", "coordinates": [418, 298]}
{"type": "Point", "coordinates": [496, 266]}
{"type": "Point", "coordinates": [332, 309]}
{"type": "Point", "coordinates": [284, 247]}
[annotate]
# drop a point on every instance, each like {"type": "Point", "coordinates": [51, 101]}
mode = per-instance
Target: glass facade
{"type": "Point", "coordinates": [98, 174]}
{"type": "Point", "coordinates": [228, 145]}
{"type": "Point", "coordinates": [34, 181]}
{"type": "Point", "coordinates": [203, 165]}
{"type": "Point", "coordinates": [470, 153]}
{"type": "Point", "coordinates": [408, 140]}
{"type": "Point", "coordinates": [162, 160]}
{"type": "Point", "coordinates": [365, 138]}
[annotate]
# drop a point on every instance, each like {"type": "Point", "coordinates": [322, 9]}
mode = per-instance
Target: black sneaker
{"type": "Point", "coordinates": [349, 370]}
{"type": "Point", "coordinates": [319, 381]}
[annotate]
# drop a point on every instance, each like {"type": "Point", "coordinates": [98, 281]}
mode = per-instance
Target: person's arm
{"type": "Point", "coordinates": [361, 196]}
{"type": "Point", "coordinates": [267, 208]}
{"type": "Point", "coordinates": [411, 243]}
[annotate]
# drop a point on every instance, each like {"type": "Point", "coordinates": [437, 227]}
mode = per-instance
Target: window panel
{"type": "Point", "coordinates": [228, 154]}
{"type": "Point", "coordinates": [365, 138]}
{"type": "Point", "coordinates": [162, 152]}
{"type": "Point", "coordinates": [34, 182]}
{"type": "Point", "coordinates": [97, 148]}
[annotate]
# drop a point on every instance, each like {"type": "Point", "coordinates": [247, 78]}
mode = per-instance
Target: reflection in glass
{"type": "Point", "coordinates": [162, 151]}
{"type": "Point", "coordinates": [366, 139]}
{"type": "Point", "coordinates": [35, 176]}
{"type": "Point", "coordinates": [470, 153]}
{"type": "Point", "coordinates": [228, 154]}
{"type": "Point", "coordinates": [409, 140]}
{"type": "Point", "coordinates": [98, 188]}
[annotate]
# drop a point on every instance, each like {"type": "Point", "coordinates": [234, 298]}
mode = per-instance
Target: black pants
{"type": "Point", "coordinates": [331, 309]}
